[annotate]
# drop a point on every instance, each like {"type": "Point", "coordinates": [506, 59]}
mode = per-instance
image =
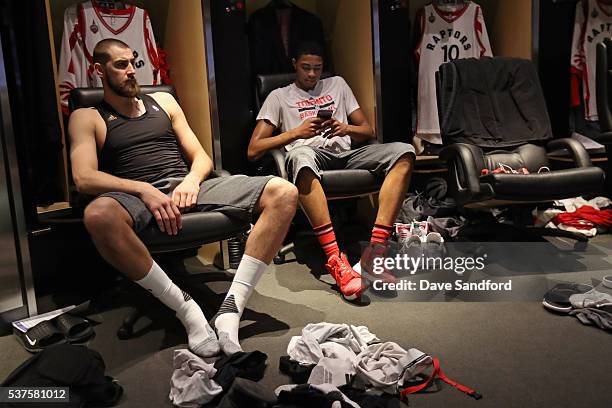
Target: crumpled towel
{"type": "Point", "coordinates": [310, 347]}
{"type": "Point", "coordinates": [192, 384]}
{"type": "Point", "coordinates": [387, 366]}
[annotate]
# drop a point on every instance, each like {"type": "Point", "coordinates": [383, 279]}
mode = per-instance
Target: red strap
{"type": "Point", "coordinates": [438, 373]}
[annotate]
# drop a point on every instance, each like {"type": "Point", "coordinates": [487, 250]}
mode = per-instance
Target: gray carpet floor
{"type": "Point", "coordinates": [516, 354]}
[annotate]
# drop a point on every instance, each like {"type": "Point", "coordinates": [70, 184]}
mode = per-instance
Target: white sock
{"type": "Point", "coordinates": [227, 319]}
{"type": "Point", "coordinates": [201, 338]}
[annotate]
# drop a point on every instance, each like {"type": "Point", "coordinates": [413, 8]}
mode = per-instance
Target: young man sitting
{"type": "Point", "coordinates": [314, 144]}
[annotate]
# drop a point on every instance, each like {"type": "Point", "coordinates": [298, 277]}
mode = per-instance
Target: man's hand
{"type": "Point", "coordinates": [337, 128]}
{"type": "Point", "coordinates": [311, 127]}
{"type": "Point", "coordinates": [185, 195]}
{"type": "Point", "coordinates": [162, 207]}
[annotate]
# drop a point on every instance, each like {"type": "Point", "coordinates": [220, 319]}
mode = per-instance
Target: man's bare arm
{"type": "Point", "coordinates": [84, 159]}
{"type": "Point", "coordinates": [201, 164]}
{"type": "Point", "coordinates": [359, 129]}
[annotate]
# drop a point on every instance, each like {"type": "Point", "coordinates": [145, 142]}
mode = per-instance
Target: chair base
{"type": "Point", "coordinates": [279, 259]}
{"type": "Point", "coordinates": [126, 330]}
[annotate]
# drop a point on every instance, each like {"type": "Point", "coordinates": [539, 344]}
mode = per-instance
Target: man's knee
{"type": "Point", "coordinates": [281, 193]}
{"type": "Point", "coordinates": [405, 162]}
{"type": "Point", "coordinates": [299, 158]}
{"type": "Point", "coordinates": [299, 152]}
{"type": "Point", "coordinates": [103, 215]}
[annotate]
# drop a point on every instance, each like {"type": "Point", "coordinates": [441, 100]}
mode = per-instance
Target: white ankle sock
{"type": "Point", "coordinates": [202, 339]}
{"type": "Point", "coordinates": [227, 319]}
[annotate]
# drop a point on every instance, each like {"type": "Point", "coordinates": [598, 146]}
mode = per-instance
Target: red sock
{"type": "Point", "coordinates": [327, 239]}
{"type": "Point", "coordinates": [381, 233]}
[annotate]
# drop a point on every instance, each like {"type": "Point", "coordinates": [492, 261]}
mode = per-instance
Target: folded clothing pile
{"type": "Point", "coordinates": [577, 215]}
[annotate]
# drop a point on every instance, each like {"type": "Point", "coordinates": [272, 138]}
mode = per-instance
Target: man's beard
{"type": "Point", "coordinates": [128, 88]}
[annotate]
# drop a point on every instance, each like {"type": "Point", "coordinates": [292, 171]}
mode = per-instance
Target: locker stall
{"type": "Point", "coordinates": [56, 240]}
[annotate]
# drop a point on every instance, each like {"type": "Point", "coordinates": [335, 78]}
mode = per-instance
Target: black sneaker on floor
{"type": "Point", "coordinates": [557, 298]}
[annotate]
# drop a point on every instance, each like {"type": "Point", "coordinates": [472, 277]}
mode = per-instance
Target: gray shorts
{"type": "Point", "coordinates": [234, 196]}
{"type": "Point", "coordinates": [378, 158]}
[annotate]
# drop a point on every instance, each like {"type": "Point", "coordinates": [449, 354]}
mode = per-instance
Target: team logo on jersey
{"type": "Point", "coordinates": [93, 27]}
{"type": "Point", "coordinates": [432, 18]}
{"type": "Point", "coordinates": [111, 117]}
{"type": "Point", "coordinates": [594, 14]}
{"type": "Point", "coordinates": [155, 107]}
{"type": "Point", "coordinates": [446, 35]}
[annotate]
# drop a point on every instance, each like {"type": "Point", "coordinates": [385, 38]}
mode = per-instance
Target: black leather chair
{"type": "Point", "coordinates": [603, 72]}
{"type": "Point", "coordinates": [501, 106]}
{"type": "Point", "coordinates": [337, 184]}
{"type": "Point", "coordinates": [198, 228]}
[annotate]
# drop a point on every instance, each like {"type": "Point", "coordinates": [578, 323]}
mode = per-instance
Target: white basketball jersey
{"type": "Point", "coordinates": [85, 25]}
{"type": "Point", "coordinates": [446, 36]}
{"type": "Point", "coordinates": [592, 25]}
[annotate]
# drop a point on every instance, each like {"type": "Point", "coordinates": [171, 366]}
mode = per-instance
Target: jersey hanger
{"type": "Point", "coordinates": [450, 5]}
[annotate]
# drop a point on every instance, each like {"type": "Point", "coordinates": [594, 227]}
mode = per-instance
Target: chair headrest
{"type": "Point", "coordinates": [90, 97]}
{"type": "Point", "coordinates": [266, 83]}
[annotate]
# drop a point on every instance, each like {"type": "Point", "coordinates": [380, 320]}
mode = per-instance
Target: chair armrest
{"type": "Point", "coordinates": [278, 155]}
{"type": "Point", "coordinates": [575, 149]}
{"type": "Point", "coordinates": [461, 155]}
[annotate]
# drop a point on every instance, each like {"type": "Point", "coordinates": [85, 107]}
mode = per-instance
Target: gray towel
{"type": "Point", "coordinates": [387, 366]}
{"type": "Point", "coordinates": [192, 384]}
{"type": "Point", "coordinates": [593, 316]}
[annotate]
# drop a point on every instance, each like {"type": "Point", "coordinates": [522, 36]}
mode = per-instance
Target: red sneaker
{"type": "Point", "coordinates": [347, 279]}
{"type": "Point", "coordinates": [368, 271]}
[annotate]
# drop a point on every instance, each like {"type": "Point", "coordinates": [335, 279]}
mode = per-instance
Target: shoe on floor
{"type": "Point", "coordinates": [592, 298]}
{"type": "Point", "coordinates": [557, 299]}
{"type": "Point", "coordinates": [44, 334]}
{"type": "Point", "coordinates": [365, 267]}
{"type": "Point", "coordinates": [347, 279]}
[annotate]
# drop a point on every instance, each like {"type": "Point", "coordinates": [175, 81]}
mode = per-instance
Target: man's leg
{"type": "Point", "coordinates": [304, 163]}
{"type": "Point", "coordinates": [391, 197]}
{"type": "Point", "coordinates": [111, 229]}
{"type": "Point", "coordinates": [395, 162]}
{"type": "Point", "coordinates": [277, 205]}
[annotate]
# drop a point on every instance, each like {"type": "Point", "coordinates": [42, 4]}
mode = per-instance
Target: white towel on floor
{"type": "Point", "coordinates": [192, 384]}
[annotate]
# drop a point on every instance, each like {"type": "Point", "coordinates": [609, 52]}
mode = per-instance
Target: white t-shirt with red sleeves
{"type": "Point", "coordinates": [288, 107]}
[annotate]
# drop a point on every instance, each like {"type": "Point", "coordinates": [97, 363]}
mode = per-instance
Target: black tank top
{"type": "Point", "coordinates": [143, 148]}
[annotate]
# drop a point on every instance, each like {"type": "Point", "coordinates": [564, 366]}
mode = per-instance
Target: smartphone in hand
{"type": "Point", "coordinates": [324, 115]}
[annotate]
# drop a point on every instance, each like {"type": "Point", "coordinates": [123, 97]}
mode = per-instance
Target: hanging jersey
{"type": "Point", "coordinates": [593, 23]}
{"type": "Point", "coordinates": [446, 36]}
{"type": "Point", "coordinates": [85, 25]}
